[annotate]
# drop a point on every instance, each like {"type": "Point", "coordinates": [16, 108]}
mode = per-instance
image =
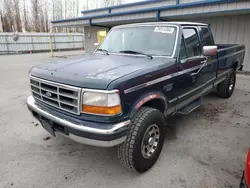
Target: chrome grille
{"type": "Point", "coordinates": [58, 95]}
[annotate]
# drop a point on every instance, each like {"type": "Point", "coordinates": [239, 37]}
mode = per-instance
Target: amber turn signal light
{"type": "Point", "coordinates": [107, 110]}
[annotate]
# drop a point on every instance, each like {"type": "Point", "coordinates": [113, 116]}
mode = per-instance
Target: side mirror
{"type": "Point", "coordinates": [210, 50]}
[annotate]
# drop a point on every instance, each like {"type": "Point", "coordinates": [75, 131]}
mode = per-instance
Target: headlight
{"type": "Point", "coordinates": [101, 103]}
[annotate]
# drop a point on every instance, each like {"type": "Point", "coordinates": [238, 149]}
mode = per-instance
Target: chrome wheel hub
{"type": "Point", "coordinates": [150, 141]}
{"type": "Point", "coordinates": [231, 84]}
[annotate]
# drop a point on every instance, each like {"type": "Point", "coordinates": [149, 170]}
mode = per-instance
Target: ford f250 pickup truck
{"type": "Point", "coordinates": [122, 94]}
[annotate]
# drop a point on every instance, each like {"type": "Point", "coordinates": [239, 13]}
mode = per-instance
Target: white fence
{"type": "Point", "coordinates": [35, 42]}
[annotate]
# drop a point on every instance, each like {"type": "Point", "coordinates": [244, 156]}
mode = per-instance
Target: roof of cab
{"type": "Point", "coordinates": [162, 23]}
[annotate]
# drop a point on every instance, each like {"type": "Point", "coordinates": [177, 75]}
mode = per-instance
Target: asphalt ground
{"type": "Point", "coordinates": [205, 149]}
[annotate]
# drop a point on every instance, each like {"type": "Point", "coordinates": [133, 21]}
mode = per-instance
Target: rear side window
{"type": "Point", "coordinates": [207, 37]}
{"type": "Point", "coordinates": [191, 40]}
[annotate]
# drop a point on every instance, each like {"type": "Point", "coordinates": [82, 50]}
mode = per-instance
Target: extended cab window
{"type": "Point", "coordinates": [207, 37]}
{"type": "Point", "coordinates": [191, 40]}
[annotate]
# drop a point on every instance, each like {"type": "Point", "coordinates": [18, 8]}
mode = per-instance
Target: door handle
{"type": "Point", "coordinates": [204, 63]}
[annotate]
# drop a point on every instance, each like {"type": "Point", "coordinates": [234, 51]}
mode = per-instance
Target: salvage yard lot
{"type": "Point", "coordinates": [204, 149]}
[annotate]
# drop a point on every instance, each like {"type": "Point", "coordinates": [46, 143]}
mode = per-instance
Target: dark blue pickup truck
{"type": "Point", "coordinates": [122, 94]}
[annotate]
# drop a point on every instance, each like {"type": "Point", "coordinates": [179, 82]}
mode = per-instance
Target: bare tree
{"type": "Point", "coordinates": [25, 19]}
{"type": "Point", "coordinates": [65, 8]}
{"type": "Point", "coordinates": [46, 21]}
{"type": "Point", "coordinates": [53, 9]}
{"type": "Point", "coordinates": [8, 19]}
{"type": "Point", "coordinates": [1, 20]}
{"type": "Point", "coordinates": [34, 15]}
{"type": "Point", "coordinates": [1, 15]}
{"type": "Point", "coordinates": [107, 3]}
{"type": "Point", "coordinates": [42, 20]}
{"type": "Point", "coordinates": [77, 8]}
{"type": "Point", "coordinates": [18, 23]}
{"type": "Point", "coordinates": [119, 2]}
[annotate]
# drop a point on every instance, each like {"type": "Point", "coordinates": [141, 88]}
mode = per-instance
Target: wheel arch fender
{"type": "Point", "coordinates": [235, 64]}
{"type": "Point", "coordinates": [149, 98]}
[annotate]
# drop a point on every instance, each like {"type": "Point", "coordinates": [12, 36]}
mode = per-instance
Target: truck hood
{"type": "Point", "coordinates": [94, 71]}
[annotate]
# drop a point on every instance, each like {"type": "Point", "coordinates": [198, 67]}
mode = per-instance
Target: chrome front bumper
{"type": "Point", "coordinates": [113, 129]}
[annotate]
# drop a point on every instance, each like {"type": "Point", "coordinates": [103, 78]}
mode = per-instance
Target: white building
{"type": "Point", "coordinates": [229, 19]}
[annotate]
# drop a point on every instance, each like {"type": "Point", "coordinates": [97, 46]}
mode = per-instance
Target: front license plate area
{"type": "Point", "coordinates": [48, 127]}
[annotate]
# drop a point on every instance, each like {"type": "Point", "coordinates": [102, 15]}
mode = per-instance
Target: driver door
{"type": "Point", "coordinates": [190, 65]}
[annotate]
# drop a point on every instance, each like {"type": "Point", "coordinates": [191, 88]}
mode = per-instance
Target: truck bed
{"type": "Point", "coordinates": [230, 55]}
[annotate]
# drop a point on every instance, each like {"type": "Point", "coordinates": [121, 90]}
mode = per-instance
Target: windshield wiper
{"type": "Point", "coordinates": [103, 50]}
{"type": "Point", "coordinates": [135, 52]}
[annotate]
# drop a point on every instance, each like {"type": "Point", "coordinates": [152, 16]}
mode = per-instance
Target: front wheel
{"type": "Point", "coordinates": [225, 89]}
{"type": "Point", "coordinates": [144, 141]}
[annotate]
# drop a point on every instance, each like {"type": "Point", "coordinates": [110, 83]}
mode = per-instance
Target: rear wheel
{"type": "Point", "coordinates": [225, 89]}
{"type": "Point", "coordinates": [144, 141]}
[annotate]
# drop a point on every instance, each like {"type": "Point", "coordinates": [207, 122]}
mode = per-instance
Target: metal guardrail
{"type": "Point", "coordinates": [35, 42]}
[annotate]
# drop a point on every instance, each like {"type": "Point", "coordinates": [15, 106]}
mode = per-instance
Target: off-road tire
{"type": "Point", "coordinates": [129, 152]}
{"type": "Point", "coordinates": [223, 88]}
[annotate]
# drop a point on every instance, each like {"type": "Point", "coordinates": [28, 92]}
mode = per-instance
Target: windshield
{"type": "Point", "coordinates": [151, 40]}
